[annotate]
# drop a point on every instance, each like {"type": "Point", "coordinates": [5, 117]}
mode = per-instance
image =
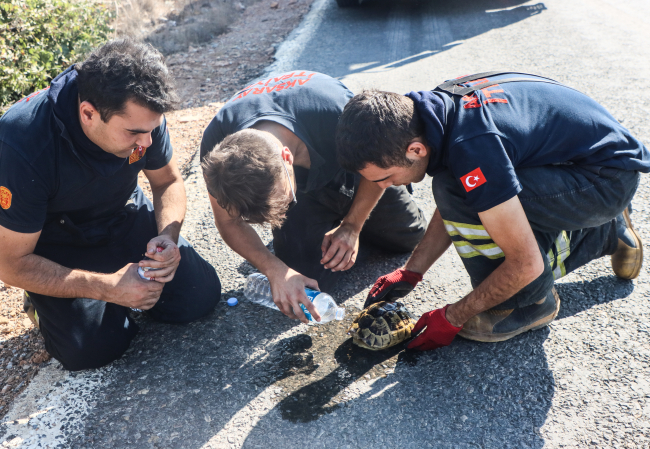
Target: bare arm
{"type": "Point", "coordinates": [341, 245]}
{"type": "Point", "coordinates": [169, 198]}
{"type": "Point", "coordinates": [21, 268]}
{"type": "Point", "coordinates": [169, 203]}
{"type": "Point", "coordinates": [287, 285]}
{"type": "Point", "coordinates": [509, 228]}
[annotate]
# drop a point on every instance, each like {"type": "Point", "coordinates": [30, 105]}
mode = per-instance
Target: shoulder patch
{"type": "Point", "coordinates": [137, 154]}
{"type": "Point", "coordinates": [5, 197]}
{"type": "Point", "coordinates": [473, 179]}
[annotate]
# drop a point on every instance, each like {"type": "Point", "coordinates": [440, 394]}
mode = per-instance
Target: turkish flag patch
{"type": "Point", "coordinates": [473, 179]}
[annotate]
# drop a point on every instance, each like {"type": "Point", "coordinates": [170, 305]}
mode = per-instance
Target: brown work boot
{"type": "Point", "coordinates": [500, 325]}
{"type": "Point", "coordinates": [29, 309]}
{"type": "Point", "coordinates": [628, 258]}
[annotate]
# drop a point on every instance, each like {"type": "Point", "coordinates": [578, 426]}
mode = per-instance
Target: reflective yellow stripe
{"type": "Point", "coordinates": [467, 250]}
{"type": "Point", "coordinates": [468, 231]}
{"type": "Point", "coordinates": [563, 245]}
{"type": "Point", "coordinates": [563, 249]}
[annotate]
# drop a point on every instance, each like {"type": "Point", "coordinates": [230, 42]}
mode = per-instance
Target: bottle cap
{"type": "Point", "coordinates": [232, 301]}
{"type": "Point", "coordinates": [142, 274]}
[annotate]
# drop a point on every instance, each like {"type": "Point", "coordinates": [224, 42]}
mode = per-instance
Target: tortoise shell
{"type": "Point", "coordinates": [382, 325]}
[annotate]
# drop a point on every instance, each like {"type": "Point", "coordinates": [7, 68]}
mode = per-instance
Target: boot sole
{"type": "Point", "coordinates": [639, 245]}
{"type": "Point", "coordinates": [495, 338]}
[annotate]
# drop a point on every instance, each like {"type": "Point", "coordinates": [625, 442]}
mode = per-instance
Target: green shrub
{"type": "Point", "coordinates": [40, 38]}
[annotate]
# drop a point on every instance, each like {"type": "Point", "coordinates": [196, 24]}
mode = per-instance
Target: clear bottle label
{"type": "Point", "coordinates": [311, 294]}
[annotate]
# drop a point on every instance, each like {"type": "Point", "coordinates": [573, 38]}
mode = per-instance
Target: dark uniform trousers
{"type": "Point", "coordinates": [571, 210]}
{"type": "Point", "coordinates": [86, 333]}
{"type": "Point", "coordinates": [396, 224]}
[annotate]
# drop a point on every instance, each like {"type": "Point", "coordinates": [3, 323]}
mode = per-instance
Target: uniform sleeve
{"type": "Point", "coordinates": [160, 152]}
{"type": "Point", "coordinates": [23, 193]}
{"type": "Point", "coordinates": [484, 170]}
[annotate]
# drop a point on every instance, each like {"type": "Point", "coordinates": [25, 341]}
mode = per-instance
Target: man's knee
{"type": "Point", "coordinates": [88, 350]}
{"type": "Point", "coordinates": [189, 306]}
{"type": "Point", "coordinates": [533, 292]}
{"type": "Point", "coordinates": [194, 292]}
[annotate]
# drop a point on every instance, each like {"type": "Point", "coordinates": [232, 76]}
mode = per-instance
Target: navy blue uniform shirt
{"type": "Point", "coordinates": [49, 169]}
{"type": "Point", "coordinates": [483, 137]}
{"type": "Point", "coordinates": [309, 104]}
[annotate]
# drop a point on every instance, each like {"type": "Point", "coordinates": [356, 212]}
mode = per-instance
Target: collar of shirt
{"type": "Point", "coordinates": [435, 110]}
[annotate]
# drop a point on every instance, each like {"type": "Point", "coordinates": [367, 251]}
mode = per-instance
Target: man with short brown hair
{"type": "Point", "coordinates": [271, 148]}
{"type": "Point", "coordinates": [242, 177]}
{"type": "Point", "coordinates": [531, 180]}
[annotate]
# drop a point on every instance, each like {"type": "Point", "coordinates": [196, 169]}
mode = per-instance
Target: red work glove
{"type": "Point", "coordinates": [393, 285]}
{"type": "Point", "coordinates": [439, 331]}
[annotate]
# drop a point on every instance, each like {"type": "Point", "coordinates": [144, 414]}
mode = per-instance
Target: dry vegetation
{"type": "Point", "coordinates": [173, 25]}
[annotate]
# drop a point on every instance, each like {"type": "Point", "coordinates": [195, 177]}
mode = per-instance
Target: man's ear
{"type": "Point", "coordinates": [287, 155]}
{"type": "Point", "coordinates": [87, 113]}
{"type": "Point", "coordinates": [417, 150]}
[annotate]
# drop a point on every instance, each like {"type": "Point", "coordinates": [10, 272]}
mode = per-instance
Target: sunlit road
{"type": "Point", "coordinates": [249, 377]}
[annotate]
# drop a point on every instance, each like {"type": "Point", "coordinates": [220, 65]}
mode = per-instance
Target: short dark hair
{"type": "Point", "coordinates": [242, 174]}
{"type": "Point", "coordinates": [124, 70]}
{"type": "Point", "coordinates": [376, 127]}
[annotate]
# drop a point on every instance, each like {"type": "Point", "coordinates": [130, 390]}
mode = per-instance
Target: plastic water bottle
{"type": "Point", "coordinates": [258, 290]}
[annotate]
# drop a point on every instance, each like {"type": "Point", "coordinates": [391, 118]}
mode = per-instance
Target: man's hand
{"type": "Point", "coordinates": [392, 286]}
{"type": "Point", "coordinates": [127, 289]}
{"type": "Point", "coordinates": [438, 333]}
{"type": "Point", "coordinates": [288, 289]}
{"type": "Point", "coordinates": [341, 245]}
{"type": "Point", "coordinates": [163, 255]}
{"type": "Point", "coordinates": [340, 248]}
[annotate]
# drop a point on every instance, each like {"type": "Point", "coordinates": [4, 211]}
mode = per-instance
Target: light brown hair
{"type": "Point", "coordinates": [242, 174]}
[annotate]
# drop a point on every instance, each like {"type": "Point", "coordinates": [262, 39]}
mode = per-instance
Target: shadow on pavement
{"type": "Point", "coordinates": [314, 400]}
{"type": "Point", "coordinates": [403, 32]}
{"type": "Point", "coordinates": [579, 296]}
{"type": "Point", "coordinates": [248, 373]}
{"type": "Point", "coordinates": [466, 395]}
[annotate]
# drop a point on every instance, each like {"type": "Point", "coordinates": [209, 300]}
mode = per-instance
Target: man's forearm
{"type": "Point", "coordinates": [365, 200]}
{"type": "Point", "coordinates": [434, 243]}
{"type": "Point", "coordinates": [508, 226]}
{"type": "Point", "coordinates": [169, 206]}
{"type": "Point", "coordinates": [39, 275]}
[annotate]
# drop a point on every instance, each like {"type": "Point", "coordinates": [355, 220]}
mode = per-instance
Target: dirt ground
{"type": "Point", "coordinates": [206, 76]}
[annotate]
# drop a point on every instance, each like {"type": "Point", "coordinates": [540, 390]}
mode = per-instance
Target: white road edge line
{"type": "Point", "coordinates": [53, 407]}
{"type": "Point", "coordinates": [291, 49]}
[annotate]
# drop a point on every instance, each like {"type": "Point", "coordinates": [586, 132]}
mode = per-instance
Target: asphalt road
{"type": "Point", "coordinates": [249, 377]}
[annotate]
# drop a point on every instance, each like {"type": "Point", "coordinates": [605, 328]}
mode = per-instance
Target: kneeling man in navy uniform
{"type": "Point", "coordinates": [531, 180]}
{"type": "Point", "coordinates": [74, 225]}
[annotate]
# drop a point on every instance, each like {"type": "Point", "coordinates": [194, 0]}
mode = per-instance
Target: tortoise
{"type": "Point", "coordinates": [382, 325]}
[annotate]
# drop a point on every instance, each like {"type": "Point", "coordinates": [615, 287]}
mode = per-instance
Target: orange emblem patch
{"type": "Point", "coordinates": [5, 198]}
{"type": "Point", "coordinates": [137, 154]}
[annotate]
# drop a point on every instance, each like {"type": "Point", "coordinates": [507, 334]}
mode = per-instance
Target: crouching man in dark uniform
{"type": "Point", "coordinates": [272, 147]}
{"type": "Point", "coordinates": [75, 226]}
{"type": "Point", "coordinates": [531, 178]}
